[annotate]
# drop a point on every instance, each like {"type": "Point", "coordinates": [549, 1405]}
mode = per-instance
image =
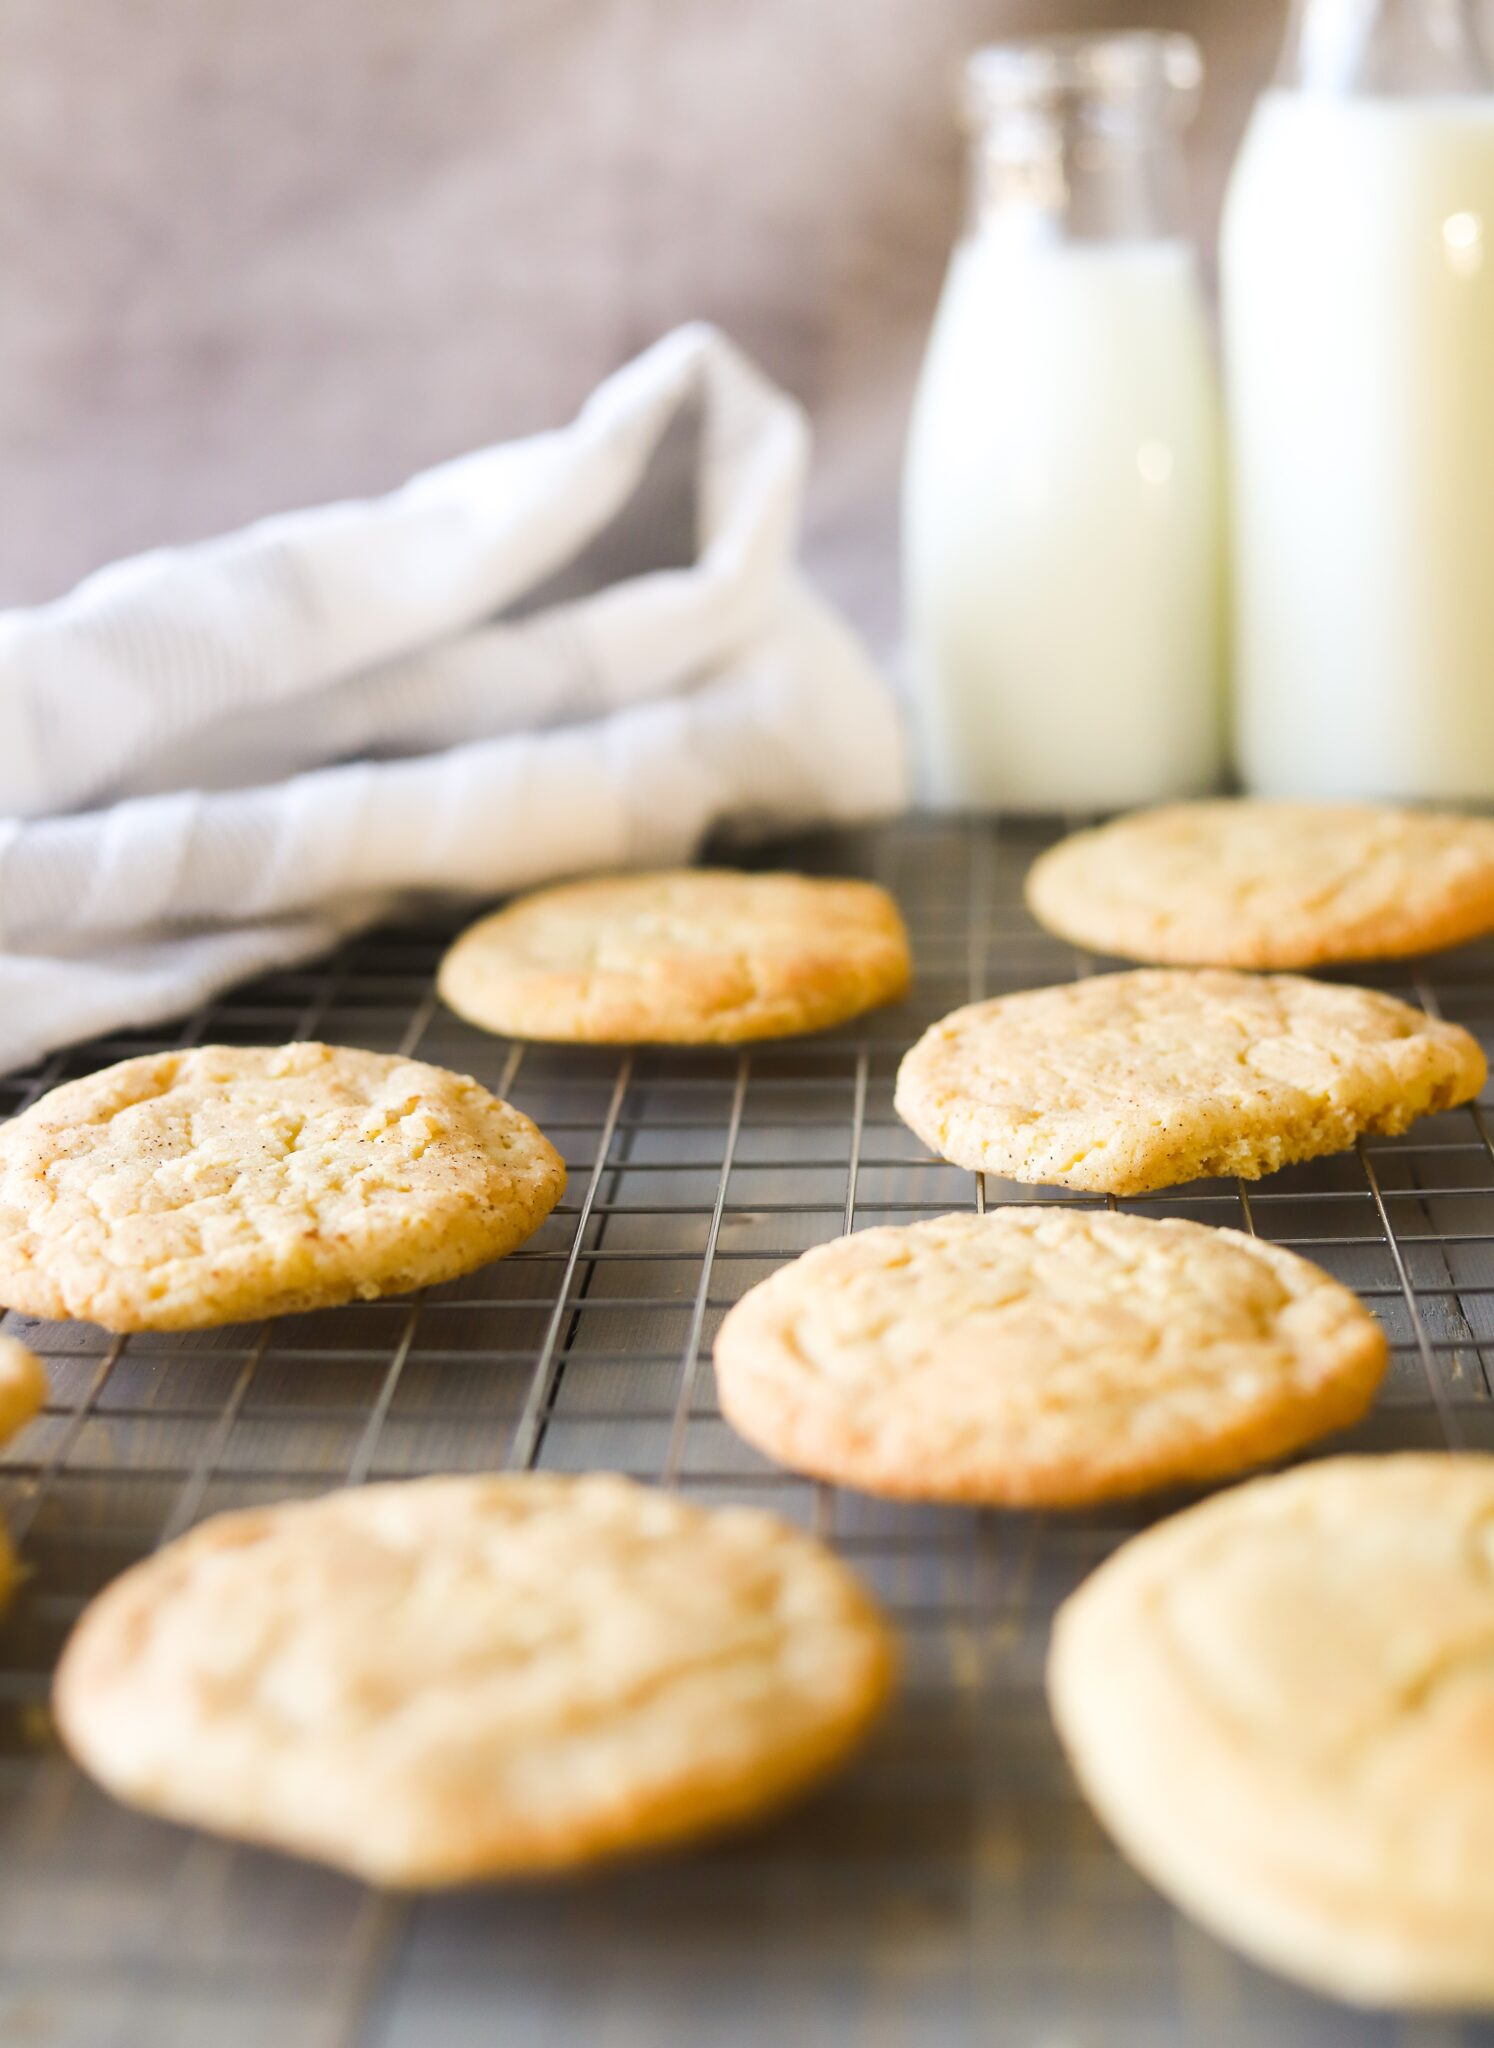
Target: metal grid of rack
{"type": "Point", "coordinates": [951, 1888]}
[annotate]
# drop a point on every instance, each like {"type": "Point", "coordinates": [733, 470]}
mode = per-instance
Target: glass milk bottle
{"type": "Point", "coordinates": [1357, 265]}
{"type": "Point", "coordinates": [1061, 496]}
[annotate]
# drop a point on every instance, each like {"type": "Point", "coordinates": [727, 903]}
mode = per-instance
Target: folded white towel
{"type": "Point", "coordinates": [581, 650]}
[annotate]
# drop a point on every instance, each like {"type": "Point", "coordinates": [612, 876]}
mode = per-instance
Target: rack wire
{"type": "Point", "coordinates": [949, 1889]}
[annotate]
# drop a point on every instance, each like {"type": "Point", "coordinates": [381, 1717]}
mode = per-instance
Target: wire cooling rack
{"type": "Point", "coordinates": [949, 1889]}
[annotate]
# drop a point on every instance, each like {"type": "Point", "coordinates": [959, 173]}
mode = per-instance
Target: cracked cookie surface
{"type": "Point", "coordinates": [1281, 1704]}
{"type": "Point", "coordinates": [692, 957]}
{"type": "Point", "coordinates": [1124, 1083]}
{"type": "Point", "coordinates": [1042, 1356]}
{"type": "Point", "coordinates": [1248, 883]}
{"type": "Point", "coordinates": [437, 1681]}
{"type": "Point", "coordinates": [225, 1183]}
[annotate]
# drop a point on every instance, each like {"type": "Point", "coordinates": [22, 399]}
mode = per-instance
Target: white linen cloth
{"type": "Point", "coordinates": [581, 650]}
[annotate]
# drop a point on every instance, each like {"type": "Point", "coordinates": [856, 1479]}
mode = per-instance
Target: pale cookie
{"type": "Point", "coordinates": [453, 1679]}
{"type": "Point", "coordinates": [695, 957]}
{"type": "Point", "coordinates": [1281, 1704]}
{"type": "Point", "coordinates": [23, 1389]}
{"type": "Point", "coordinates": [226, 1183]}
{"type": "Point", "coordinates": [1128, 1082]}
{"type": "Point", "coordinates": [1042, 1357]}
{"type": "Point", "coordinates": [1250, 884]}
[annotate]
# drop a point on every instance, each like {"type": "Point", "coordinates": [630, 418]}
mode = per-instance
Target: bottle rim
{"type": "Point", "coordinates": [1032, 73]}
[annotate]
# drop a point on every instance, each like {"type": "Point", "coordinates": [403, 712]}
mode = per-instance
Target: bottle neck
{"type": "Point", "coordinates": [1384, 48]}
{"type": "Point", "coordinates": [1050, 175]}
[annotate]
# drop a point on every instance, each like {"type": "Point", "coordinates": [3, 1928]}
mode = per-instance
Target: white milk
{"type": "Point", "coordinates": [1061, 529]}
{"type": "Point", "coordinates": [1358, 274]}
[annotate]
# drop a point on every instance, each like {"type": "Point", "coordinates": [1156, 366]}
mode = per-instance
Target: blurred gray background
{"type": "Point", "coordinates": [256, 253]}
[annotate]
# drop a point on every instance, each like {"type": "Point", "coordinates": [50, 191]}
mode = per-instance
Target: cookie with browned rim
{"type": "Point", "coordinates": [1247, 883]}
{"type": "Point", "coordinates": [1127, 1082]}
{"type": "Point", "coordinates": [694, 957]}
{"type": "Point", "coordinates": [226, 1183]}
{"type": "Point", "coordinates": [1043, 1356]}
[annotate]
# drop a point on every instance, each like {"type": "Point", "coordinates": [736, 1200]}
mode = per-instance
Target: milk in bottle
{"type": "Point", "coordinates": [1357, 266]}
{"type": "Point", "coordinates": [1061, 490]}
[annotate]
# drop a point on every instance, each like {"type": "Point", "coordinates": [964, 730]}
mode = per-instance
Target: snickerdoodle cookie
{"type": "Point", "coordinates": [23, 1386]}
{"type": "Point", "coordinates": [1281, 1703]}
{"type": "Point", "coordinates": [1128, 1082]}
{"type": "Point", "coordinates": [1043, 1356]}
{"type": "Point", "coordinates": [445, 1680]}
{"type": "Point", "coordinates": [1247, 883]}
{"type": "Point", "coordinates": [230, 1182]}
{"type": "Point", "coordinates": [694, 957]}
{"type": "Point", "coordinates": [23, 1389]}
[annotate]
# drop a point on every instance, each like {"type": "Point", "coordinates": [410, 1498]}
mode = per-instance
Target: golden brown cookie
{"type": "Point", "coordinates": [696, 957]}
{"type": "Point", "coordinates": [1043, 1357]}
{"type": "Point", "coordinates": [1281, 1704]}
{"type": "Point", "coordinates": [453, 1679]}
{"type": "Point", "coordinates": [23, 1389]}
{"type": "Point", "coordinates": [1247, 883]}
{"type": "Point", "coordinates": [1129, 1082]}
{"type": "Point", "coordinates": [230, 1182]}
{"type": "Point", "coordinates": [23, 1386]}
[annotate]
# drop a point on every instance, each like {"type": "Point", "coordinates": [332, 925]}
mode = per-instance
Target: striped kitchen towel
{"type": "Point", "coordinates": [581, 650]}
